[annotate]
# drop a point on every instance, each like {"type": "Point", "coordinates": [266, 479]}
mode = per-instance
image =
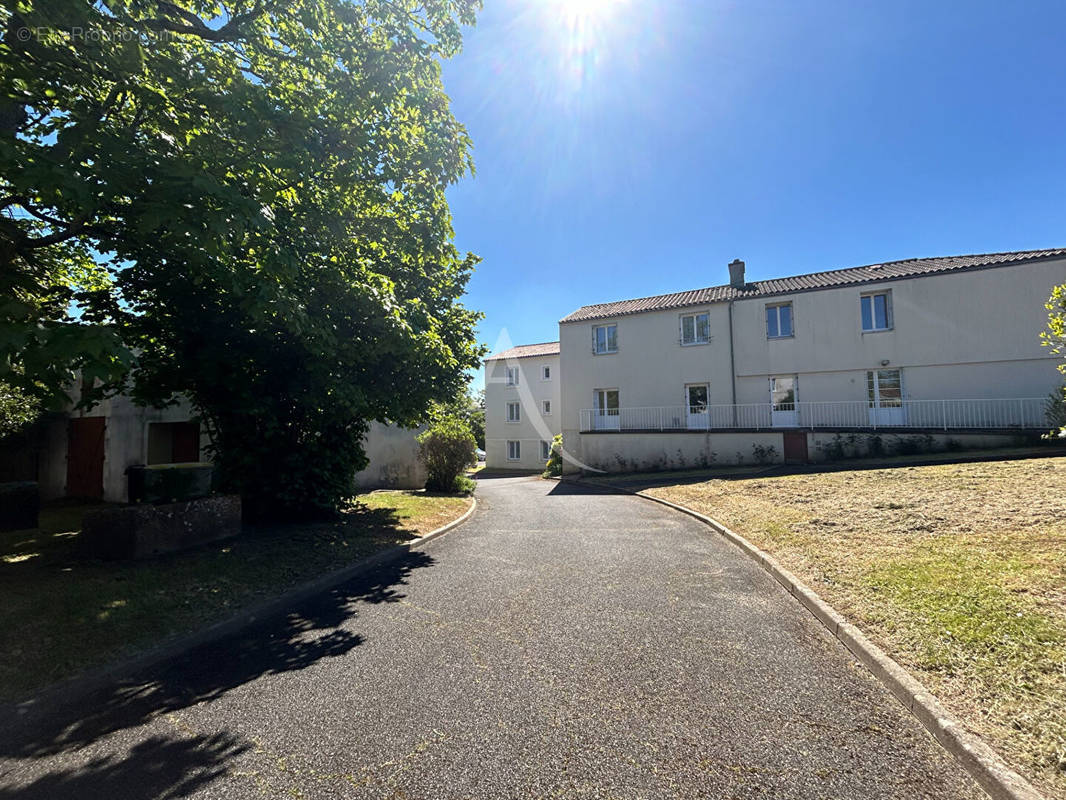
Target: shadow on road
{"type": "Point", "coordinates": [310, 632]}
{"type": "Point", "coordinates": [157, 767]}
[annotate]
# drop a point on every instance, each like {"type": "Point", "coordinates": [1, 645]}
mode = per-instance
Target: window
{"type": "Point", "coordinates": [546, 406]}
{"type": "Point", "coordinates": [695, 328]}
{"type": "Point", "coordinates": [783, 393]}
{"type": "Point", "coordinates": [512, 376]}
{"type": "Point", "coordinates": [884, 388]}
{"type": "Point", "coordinates": [606, 412]}
{"type": "Point", "coordinates": [514, 412]}
{"type": "Point", "coordinates": [604, 339]}
{"type": "Point", "coordinates": [696, 395]}
{"type": "Point", "coordinates": [876, 312]}
{"type": "Point", "coordinates": [173, 442]}
{"type": "Point", "coordinates": [545, 373]}
{"type": "Point", "coordinates": [779, 321]}
{"type": "Point", "coordinates": [545, 450]}
{"type": "Point", "coordinates": [514, 451]}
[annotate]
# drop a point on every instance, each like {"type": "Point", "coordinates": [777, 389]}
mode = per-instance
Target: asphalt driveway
{"type": "Point", "coordinates": [562, 643]}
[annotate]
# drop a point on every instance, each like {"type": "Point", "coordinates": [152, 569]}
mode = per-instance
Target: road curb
{"type": "Point", "coordinates": [986, 766]}
{"type": "Point", "coordinates": [71, 689]}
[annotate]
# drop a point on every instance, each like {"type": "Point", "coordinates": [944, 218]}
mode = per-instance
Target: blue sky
{"type": "Point", "coordinates": [638, 148]}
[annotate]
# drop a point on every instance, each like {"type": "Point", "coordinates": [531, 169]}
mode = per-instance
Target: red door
{"type": "Point", "coordinates": [795, 445]}
{"type": "Point", "coordinates": [85, 458]}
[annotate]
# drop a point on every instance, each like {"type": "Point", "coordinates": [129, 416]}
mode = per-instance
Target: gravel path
{"type": "Point", "coordinates": [563, 643]}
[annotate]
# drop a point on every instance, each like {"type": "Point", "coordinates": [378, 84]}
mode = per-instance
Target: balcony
{"type": "Point", "coordinates": [1019, 414]}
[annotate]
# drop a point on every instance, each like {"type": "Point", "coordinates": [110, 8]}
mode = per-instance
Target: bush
{"type": "Point", "coordinates": [447, 448]}
{"type": "Point", "coordinates": [764, 454]}
{"type": "Point", "coordinates": [833, 450]}
{"type": "Point", "coordinates": [915, 445]}
{"type": "Point", "coordinates": [1055, 410]}
{"type": "Point", "coordinates": [464, 485]}
{"type": "Point", "coordinates": [554, 467]}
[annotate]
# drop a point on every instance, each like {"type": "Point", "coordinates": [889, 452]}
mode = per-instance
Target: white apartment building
{"type": "Point", "coordinates": [522, 412]}
{"type": "Point", "coordinates": [939, 347]}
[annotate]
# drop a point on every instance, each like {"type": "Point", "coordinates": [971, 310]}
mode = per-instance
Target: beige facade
{"type": "Point", "coordinates": [522, 406]}
{"type": "Point", "coordinates": [951, 349]}
{"type": "Point", "coordinates": [952, 336]}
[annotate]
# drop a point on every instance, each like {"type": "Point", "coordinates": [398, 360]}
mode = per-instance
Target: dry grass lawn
{"type": "Point", "coordinates": [61, 614]}
{"type": "Point", "coordinates": [957, 570]}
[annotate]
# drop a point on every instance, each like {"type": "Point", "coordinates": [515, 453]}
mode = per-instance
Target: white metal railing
{"type": "Point", "coordinates": [1026, 413]}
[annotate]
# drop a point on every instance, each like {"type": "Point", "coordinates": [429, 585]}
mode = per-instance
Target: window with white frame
{"type": "Point", "coordinates": [546, 407]}
{"type": "Point", "coordinates": [884, 388]}
{"type": "Point", "coordinates": [545, 373]}
{"type": "Point", "coordinates": [514, 451]}
{"type": "Point", "coordinates": [876, 311]}
{"type": "Point", "coordinates": [545, 450]}
{"type": "Point", "coordinates": [514, 412]}
{"type": "Point", "coordinates": [779, 321]}
{"type": "Point", "coordinates": [695, 328]}
{"type": "Point", "coordinates": [512, 376]}
{"type": "Point", "coordinates": [604, 339]}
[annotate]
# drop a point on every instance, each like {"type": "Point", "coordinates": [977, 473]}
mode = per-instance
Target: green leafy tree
{"type": "Point", "coordinates": [1055, 338]}
{"type": "Point", "coordinates": [477, 418]}
{"type": "Point", "coordinates": [18, 412]}
{"type": "Point", "coordinates": [1055, 335]}
{"type": "Point", "coordinates": [470, 409]}
{"type": "Point", "coordinates": [554, 466]}
{"type": "Point", "coordinates": [447, 449]}
{"type": "Point", "coordinates": [250, 198]}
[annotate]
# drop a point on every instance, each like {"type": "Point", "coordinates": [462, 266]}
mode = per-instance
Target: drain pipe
{"type": "Point", "coordinates": [737, 283]}
{"type": "Point", "coordinates": [732, 366]}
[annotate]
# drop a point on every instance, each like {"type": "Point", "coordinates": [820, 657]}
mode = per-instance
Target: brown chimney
{"type": "Point", "coordinates": [736, 273]}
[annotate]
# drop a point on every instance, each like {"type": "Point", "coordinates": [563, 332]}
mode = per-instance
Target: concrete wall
{"type": "Point", "coordinates": [393, 454]}
{"type": "Point", "coordinates": [635, 452]}
{"type": "Point", "coordinates": [535, 426]}
{"type": "Point", "coordinates": [824, 446]}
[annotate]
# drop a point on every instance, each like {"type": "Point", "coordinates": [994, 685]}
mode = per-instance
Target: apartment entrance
{"type": "Point", "coordinates": [696, 400]}
{"type": "Point", "coordinates": [605, 416]}
{"type": "Point", "coordinates": [884, 391]}
{"type": "Point", "coordinates": [783, 411]}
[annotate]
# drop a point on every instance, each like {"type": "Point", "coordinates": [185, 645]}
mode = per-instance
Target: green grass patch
{"type": "Point", "coordinates": [957, 570]}
{"type": "Point", "coordinates": [60, 614]}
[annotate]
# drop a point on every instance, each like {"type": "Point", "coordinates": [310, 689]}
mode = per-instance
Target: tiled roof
{"type": "Point", "coordinates": [817, 280]}
{"type": "Point", "coordinates": [528, 351]}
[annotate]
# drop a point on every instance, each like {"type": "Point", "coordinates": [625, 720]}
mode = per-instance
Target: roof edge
{"type": "Point", "coordinates": [1049, 254]}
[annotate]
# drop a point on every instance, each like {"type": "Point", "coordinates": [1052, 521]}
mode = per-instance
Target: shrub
{"type": "Point", "coordinates": [1055, 411]}
{"type": "Point", "coordinates": [833, 449]}
{"type": "Point", "coordinates": [447, 448]}
{"type": "Point", "coordinates": [915, 445]}
{"type": "Point", "coordinates": [764, 454]}
{"type": "Point", "coordinates": [554, 467]}
{"type": "Point", "coordinates": [464, 485]}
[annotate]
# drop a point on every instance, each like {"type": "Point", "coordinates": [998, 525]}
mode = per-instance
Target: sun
{"type": "Point", "coordinates": [581, 32]}
{"type": "Point", "coordinates": [586, 12]}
